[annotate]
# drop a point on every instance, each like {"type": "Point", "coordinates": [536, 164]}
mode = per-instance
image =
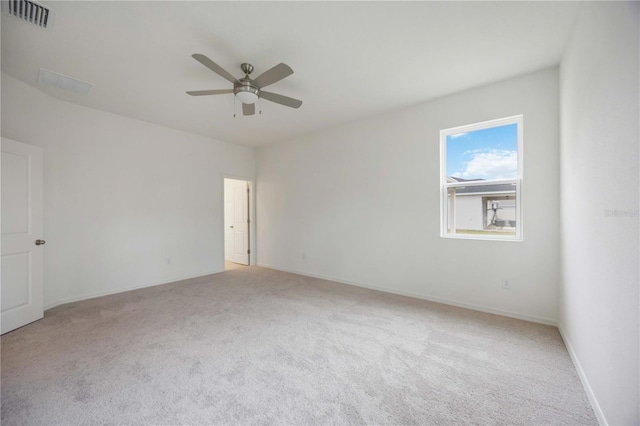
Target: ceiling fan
{"type": "Point", "coordinates": [248, 90]}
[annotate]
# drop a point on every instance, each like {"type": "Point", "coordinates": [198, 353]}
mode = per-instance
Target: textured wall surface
{"type": "Point", "coordinates": [121, 196]}
{"type": "Point", "coordinates": [362, 203]}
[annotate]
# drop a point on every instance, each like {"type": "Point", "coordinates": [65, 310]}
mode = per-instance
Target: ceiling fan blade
{"type": "Point", "coordinates": [248, 109]}
{"type": "Point", "coordinates": [209, 92]}
{"type": "Point", "coordinates": [214, 67]}
{"type": "Point", "coordinates": [280, 99]}
{"type": "Point", "coordinates": [272, 75]}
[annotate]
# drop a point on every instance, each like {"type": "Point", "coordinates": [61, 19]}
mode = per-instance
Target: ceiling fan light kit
{"type": "Point", "coordinates": [248, 90]}
{"type": "Point", "coordinates": [246, 94]}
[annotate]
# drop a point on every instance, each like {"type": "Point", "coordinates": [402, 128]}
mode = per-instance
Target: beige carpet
{"type": "Point", "coordinates": [230, 266]}
{"type": "Point", "coordinates": [257, 346]}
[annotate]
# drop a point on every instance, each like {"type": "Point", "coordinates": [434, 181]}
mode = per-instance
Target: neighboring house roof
{"type": "Point", "coordinates": [481, 189]}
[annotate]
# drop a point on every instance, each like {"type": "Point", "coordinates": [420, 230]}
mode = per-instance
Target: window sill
{"type": "Point", "coordinates": [483, 237]}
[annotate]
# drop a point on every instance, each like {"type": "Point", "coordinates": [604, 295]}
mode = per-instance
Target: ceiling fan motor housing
{"type": "Point", "coordinates": [244, 91]}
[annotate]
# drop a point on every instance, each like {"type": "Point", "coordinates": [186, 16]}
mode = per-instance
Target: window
{"type": "Point", "coordinates": [481, 179]}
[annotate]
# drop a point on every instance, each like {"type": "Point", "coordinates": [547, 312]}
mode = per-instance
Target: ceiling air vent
{"type": "Point", "coordinates": [64, 82]}
{"type": "Point", "coordinates": [29, 11]}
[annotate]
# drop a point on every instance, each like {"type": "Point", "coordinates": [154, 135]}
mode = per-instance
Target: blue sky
{"type": "Point", "coordinates": [484, 154]}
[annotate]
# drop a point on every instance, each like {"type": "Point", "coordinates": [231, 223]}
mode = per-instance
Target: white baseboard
{"type": "Point", "coordinates": [517, 315]}
{"type": "Point", "coordinates": [583, 378]}
{"type": "Point", "coordinates": [123, 289]}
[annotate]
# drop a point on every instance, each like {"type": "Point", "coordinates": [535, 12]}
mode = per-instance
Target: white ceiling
{"type": "Point", "coordinates": [350, 59]}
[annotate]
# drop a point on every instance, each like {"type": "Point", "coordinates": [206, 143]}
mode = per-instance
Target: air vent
{"type": "Point", "coordinates": [29, 11]}
{"type": "Point", "coordinates": [64, 82]}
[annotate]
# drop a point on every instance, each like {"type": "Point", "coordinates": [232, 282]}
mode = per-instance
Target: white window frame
{"type": "Point", "coordinates": [445, 186]}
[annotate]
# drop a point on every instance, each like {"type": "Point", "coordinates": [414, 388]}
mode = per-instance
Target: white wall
{"type": "Point", "coordinates": [362, 202]}
{"type": "Point", "coordinates": [599, 162]}
{"type": "Point", "coordinates": [121, 195]}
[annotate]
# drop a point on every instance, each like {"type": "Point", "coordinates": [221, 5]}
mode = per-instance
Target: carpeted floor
{"type": "Point", "coordinates": [230, 266]}
{"type": "Point", "coordinates": [257, 346]}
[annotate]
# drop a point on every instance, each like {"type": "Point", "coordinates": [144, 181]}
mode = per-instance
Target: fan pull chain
{"type": "Point", "coordinates": [260, 101]}
{"type": "Point", "coordinates": [234, 107]}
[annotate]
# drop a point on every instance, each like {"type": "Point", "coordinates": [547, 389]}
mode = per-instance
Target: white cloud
{"type": "Point", "coordinates": [493, 164]}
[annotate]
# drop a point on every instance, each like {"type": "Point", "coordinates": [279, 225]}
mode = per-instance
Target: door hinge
{"type": "Point", "coordinates": [248, 220]}
{"type": "Point", "coordinates": [248, 251]}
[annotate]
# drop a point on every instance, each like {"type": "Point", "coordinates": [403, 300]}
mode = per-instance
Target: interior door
{"type": "Point", "coordinates": [21, 295]}
{"type": "Point", "coordinates": [237, 221]}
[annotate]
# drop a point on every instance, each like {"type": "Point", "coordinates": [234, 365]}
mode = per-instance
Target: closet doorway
{"type": "Point", "coordinates": [237, 222]}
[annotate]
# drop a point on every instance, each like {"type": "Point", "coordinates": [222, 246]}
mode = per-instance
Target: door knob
{"type": "Point", "coordinates": [40, 242]}
{"type": "Point", "coordinates": [231, 226]}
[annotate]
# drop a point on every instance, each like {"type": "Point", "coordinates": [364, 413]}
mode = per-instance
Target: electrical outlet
{"type": "Point", "coordinates": [506, 284]}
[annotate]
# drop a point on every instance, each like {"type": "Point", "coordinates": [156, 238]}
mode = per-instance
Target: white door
{"type": "Point", "coordinates": [236, 196]}
{"type": "Point", "coordinates": [21, 295]}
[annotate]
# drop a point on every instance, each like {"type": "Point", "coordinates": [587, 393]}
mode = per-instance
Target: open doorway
{"type": "Point", "coordinates": [237, 229]}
